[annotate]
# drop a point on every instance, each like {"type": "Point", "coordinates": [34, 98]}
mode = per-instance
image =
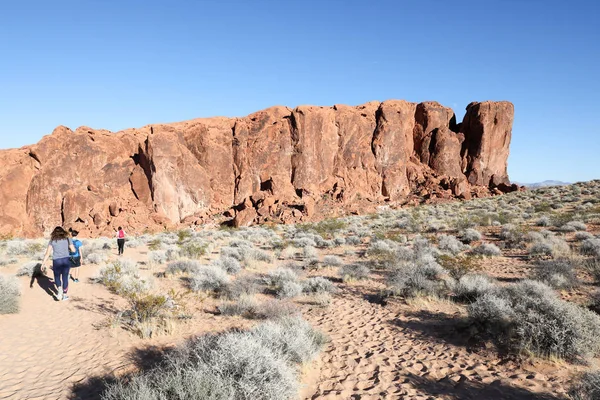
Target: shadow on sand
{"type": "Point", "coordinates": [141, 359]}
{"type": "Point", "coordinates": [466, 390]}
{"type": "Point", "coordinates": [43, 281]}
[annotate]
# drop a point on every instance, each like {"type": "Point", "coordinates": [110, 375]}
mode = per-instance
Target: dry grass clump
{"type": "Point", "coordinates": [318, 284]}
{"type": "Point", "coordinates": [470, 235]}
{"type": "Point", "coordinates": [590, 247]}
{"type": "Point", "coordinates": [558, 274]}
{"type": "Point", "coordinates": [459, 266]}
{"type": "Point", "coordinates": [450, 244]}
{"type": "Point", "coordinates": [10, 295]}
{"type": "Point", "coordinates": [247, 285]}
{"type": "Point", "coordinates": [182, 267]}
{"type": "Point", "coordinates": [487, 250]}
{"type": "Point", "coordinates": [354, 272]}
{"type": "Point", "coordinates": [248, 306]}
{"type": "Point", "coordinates": [529, 318]}
{"type": "Point", "coordinates": [332, 261]}
{"type": "Point", "coordinates": [550, 246]}
{"type": "Point", "coordinates": [263, 363]}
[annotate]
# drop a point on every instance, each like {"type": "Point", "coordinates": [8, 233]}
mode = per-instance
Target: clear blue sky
{"type": "Point", "coordinates": [118, 64]}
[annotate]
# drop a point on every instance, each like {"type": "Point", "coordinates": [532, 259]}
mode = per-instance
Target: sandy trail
{"type": "Point", "coordinates": [377, 352]}
{"type": "Point", "coordinates": [51, 345]}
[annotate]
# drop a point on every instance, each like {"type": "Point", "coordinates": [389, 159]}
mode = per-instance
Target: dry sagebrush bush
{"type": "Point", "coordinates": [586, 386]}
{"type": "Point", "coordinates": [10, 295]}
{"type": "Point", "coordinates": [529, 318]}
{"type": "Point", "coordinates": [420, 278]}
{"type": "Point", "coordinates": [259, 364]}
{"type": "Point", "coordinates": [209, 278]}
{"type": "Point", "coordinates": [558, 274]}
{"type": "Point", "coordinates": [470, 287]}
{"type": "Point", "coordinates": [354, 272]}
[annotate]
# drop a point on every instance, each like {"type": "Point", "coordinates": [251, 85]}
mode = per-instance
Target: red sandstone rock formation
{"type": "Point", "coordinates": [277, 165]}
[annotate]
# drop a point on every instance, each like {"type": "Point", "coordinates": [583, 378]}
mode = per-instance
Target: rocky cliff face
{"type": "Point", "coordinates": [279, 165]}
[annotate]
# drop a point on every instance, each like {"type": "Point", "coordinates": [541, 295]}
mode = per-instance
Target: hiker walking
{"type": "Point", "coordinates": [77, 256]}
{"type": "Point", "coordinates": [120, 240]}
{"type": "Point", "coordinates": [59, 247]}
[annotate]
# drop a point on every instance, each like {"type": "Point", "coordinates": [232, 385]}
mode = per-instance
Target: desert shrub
{"type": "Point", "coordinates": [416, 279]}
{"type": "Point", "coordinates": [228, 251]}
{"type": "Point", "coordinates": [258, 255]}
{"type": "Point", "coordinates": [193, 249]}
{"type": "Point", "coordinates": [543, 221]}
{"type": "Point", "coordinates": [533, 236]}
{"type": "Point", "coordinates": [583, 236]}
{"type": "Point", "coordinates": [132, 243]}
{"type": "Point", "coordinates": [310, 252]}
{"type": "Point", "coordinates": [593, 267]}
{"type": "Point", "coordinates": [354, 272]}
{"type": "Point", "coordinates": [353, 240]}
{"type": "Point", "coordinates": [144, 308]}
{"type": "Point", "coordinates": [289, 289]}
{"type": "Point", "coordinates": [558, 274]}
{"type": "Point", "coordinates": [529, 318]}
{"type": "Point", "coordinates": [573, 226]}
{"type": "Point", "coordinates": [470, 235]}
{"type": "Point", "coordinates": [382, 252]}
{"type": "Point", "coordinates": [590, 247]}
{"type": "Point", "coordinates": [459, 266]}
{"type": "Point", "coordinates": [292, 338]}
{"type": "Point", "coordinates": [24, 248]}
{"type": "Point", "coordinates": [244, 306]}
{"type": "Point", "coordinates": [260, 364]}
{"type": "Point", "coordinates": [275, 309]}
{"type": "Point", "coordinates": [96, 258]}
{"type": "Point", "coordinates": [513, 236]}
{"type": "Point", "coordinates": [422, 248]}
{"type": "Point", "coordinates": [319, 284]}
{"type": "Point", "coordinates": [288, 253]}
{"type": "Point", "coordinates": [209, 278]}
{"type": "Point", "coordinates": [241, 286]}
{"type": "Point", "coordinates": [123, 277]}
{"type": "Point", "coordinates": [303, 242]}
{"type": "Point", "coordinates": [155, 244]}
{"type": "Point", "coordinates": [228, 264]}
{"type": "Point", "coordinates": [28, 268]}
{"type": "Point", "coordinates": [332, 261]}
{"type": "Point", "coordinates": [157, 257]}
{"type": "Point", "coordinates": [339, 241]}
{"type": "Point", "coordinates": [182, 267]}
{"type": "Point", "coordinates": [487, 250]}
{"type": "Point", "coordinates": [472, 286]}
{"type": "Point", "coordinates": [450, 244]}
{"type": "Point", "coordinates": [7, 261]}
{"type": "Point", "coordinates": [277, 277]}
{"type": "Point", "coordinates": [10, 295]}
{"type": "Point", "coordinates": [326, 228]}
{"type": "Point", "coordinates": [586, 386]}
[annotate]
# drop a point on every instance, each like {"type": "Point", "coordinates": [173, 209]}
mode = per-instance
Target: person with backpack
{"type": "Point", "coordinates": [59, 247]}
{"type": "Point", "coordinates": [76, 256]}
{"type": "Point", "coordinates": [121, 240]}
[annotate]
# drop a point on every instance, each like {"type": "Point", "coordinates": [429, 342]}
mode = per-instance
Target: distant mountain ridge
{"type": "Point", "coordinates": [544, 184]}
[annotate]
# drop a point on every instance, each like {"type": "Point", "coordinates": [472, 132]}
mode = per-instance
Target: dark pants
{"type": "Point", "coordinates": [61, 268]}
{"type": "Point", "coordinates": [121, 244]}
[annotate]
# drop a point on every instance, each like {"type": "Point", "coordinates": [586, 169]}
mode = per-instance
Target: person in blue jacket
{"type": "Point", "coordinates": [77, 256]}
